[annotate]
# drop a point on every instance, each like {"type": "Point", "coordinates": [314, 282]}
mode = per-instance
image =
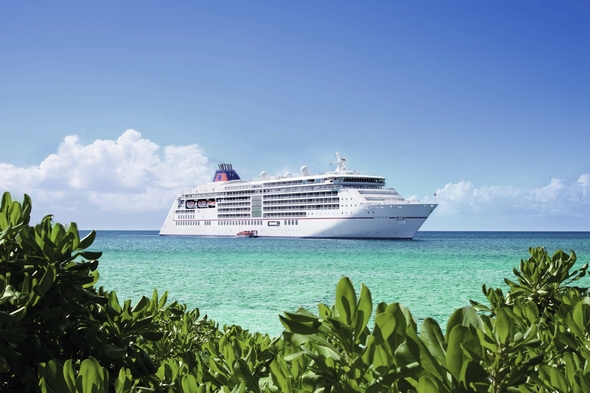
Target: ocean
{"type": "Point", "coordinates": [249, 282]}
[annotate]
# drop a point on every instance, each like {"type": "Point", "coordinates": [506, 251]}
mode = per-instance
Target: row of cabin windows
{"type": "Point", "coordinates": [237, 187]}
{"type": "Point", "coordinates": [233, 199]}
{"type": "Point", "coordinates": [301, 201]}
{"type": "Point", "coordinates": [235, 222]}
{"type": "Point", "coordinates": [192, 223]}
{"type": "Point", "coordinates": [323, 180]}
{"type": "Point", "coordinates": [245, 203]}
{"type": "Point", "coordinates": [240, 222]}
{"type": "Point", "coordinates": [361, 180]}
{"type": "Point", "coordinates": [188, 223]}
{"type": "Point", "coordinates": [302, 207]}
{"type": "Point", "coordinates": [302, 195]}
{"type": "Point", "coordinates": [283, 214]}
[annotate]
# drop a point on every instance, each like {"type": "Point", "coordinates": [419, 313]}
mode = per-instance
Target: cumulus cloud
{"type": "Point", "coordinates": [557, 201]}
{"type": "Point", "coordinates": [127, 174]}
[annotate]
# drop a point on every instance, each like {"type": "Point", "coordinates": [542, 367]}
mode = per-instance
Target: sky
{"type": "Point", "coordinates": [110, 109]}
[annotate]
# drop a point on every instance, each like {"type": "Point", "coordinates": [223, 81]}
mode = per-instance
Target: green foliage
{"type": "Point", "coordinates": [89, 377]}
{"type": "Point", "coordinates": [534, 339]}
{"type": "Point", "coordinates": [45, 294]}
{"type": "Point", "coordinates": [542, 279]}
{"type": "Point", "coordinates": [59, 333]}
{"type": "Point", "coordinates": [58, 330]}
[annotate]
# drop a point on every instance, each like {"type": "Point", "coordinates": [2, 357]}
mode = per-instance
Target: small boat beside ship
{"type": "Point", "coordinates": [339, 204]}
{"type": "Point", "coordinates": [247, 234]}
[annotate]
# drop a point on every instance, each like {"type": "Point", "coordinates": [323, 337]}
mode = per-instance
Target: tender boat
{"type": "Point", "coordinates": [247, 234]}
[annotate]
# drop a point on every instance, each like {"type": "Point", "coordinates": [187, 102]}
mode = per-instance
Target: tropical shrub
{"type": "Point", "coordinates": [534, 339]}
{"type": "Point", "coordinates": [61, 333]}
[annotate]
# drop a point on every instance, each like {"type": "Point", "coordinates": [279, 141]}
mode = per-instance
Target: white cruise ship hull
{"type": "Point", "coordinates": [341, 204]}
{"type": "Point", "coordinates": [373, 222]}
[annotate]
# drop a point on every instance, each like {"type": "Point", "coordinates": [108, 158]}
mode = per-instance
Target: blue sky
{"type": "Point", "coordinates": [108, 109]}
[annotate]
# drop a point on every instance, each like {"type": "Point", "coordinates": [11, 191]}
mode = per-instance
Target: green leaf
{"type": "Point", "coordinates": [243, 372]}
{"type": "Point", "coordinates": [299, 327]}
{"type": "Point", "coordinates": [473, 373]}
{"type": "Point", "coordinates": [46, 281]}
{"type": "Point", "coordinates": [558, 380]}
{"type": "Point", "coordinates": [6, 200]}
{"type": "Point", "coordinates": [152, 335]}
{"type": "Point", "coordinates": [54, 377]}
{"type": "Point", "coordinates": [69, 376]}
{"type": "Point", "coordinates": [302, 315]}
{"type": "Point", "coordinates": [15, 213]}
{"type": "Point", "coordinates": [5, 226]}
{"type": "Point", "coordinates": [89, 255]}
{"type": "Point", "coordinates": [460, 336]}
{"type": "Point", "coordinates": [75, 235]}
{"type": "Point", "coordinates": [188, 383]}
{"type": "Point", "coordinates": [4, 365]}
{"type": "Point", "coordinates": [382, 359]}
{"type": "Point", "coordinates": [58, 233]}
{"type": "Point", "coordinates": [346, 301]}
{"type": "Point", "coordinates": [432, 337]}
{"type": "Point", "coordinates": [87, 241]}
{"type": "Point", "coordinates": [123, 383]}
{"type": "Point", "coordinates": [385, 324]}
{"type": "Point", "coordinates": [421, 353]}
{"type": "Point", "coordinates": [364, 311]}
{"type": "Point", "coordinates": [279, 372]}
{"type": "Point", "coordinates": [90, 378]}
{"type": "Point", "coordinates": [503, 325]}
{"type": "Point", "coordinates": [581, 315]}
{"type": "Point", "coordinates": [465, 316]}
{"type": "Point", "coordinates": [295, 355]}
{"type": "Point", "coordinates": [115, 352]}
{"type": "Point", "coordinates": [427, 385]}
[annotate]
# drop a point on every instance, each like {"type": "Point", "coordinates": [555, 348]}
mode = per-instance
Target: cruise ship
{"type": "Point", "coordinates": [339, 204]}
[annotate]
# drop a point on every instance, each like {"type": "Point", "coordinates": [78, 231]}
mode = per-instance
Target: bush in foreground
{"type": "Point", "coordinates": [60, 333]}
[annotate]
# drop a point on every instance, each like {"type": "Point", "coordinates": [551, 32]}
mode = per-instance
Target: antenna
{"type": "Point", "coordinates": [340, 163]}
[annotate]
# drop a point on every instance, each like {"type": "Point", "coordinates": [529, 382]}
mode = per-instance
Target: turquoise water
{"type": "Point", "coordinates": [251, 281]}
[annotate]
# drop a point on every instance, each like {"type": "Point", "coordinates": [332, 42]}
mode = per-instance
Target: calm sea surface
{"type": "Point", "coordinates": [249, 282]}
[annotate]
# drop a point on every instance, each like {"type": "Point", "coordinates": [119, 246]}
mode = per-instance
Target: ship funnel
{"type": "Point", "coordinates": [225, 173]}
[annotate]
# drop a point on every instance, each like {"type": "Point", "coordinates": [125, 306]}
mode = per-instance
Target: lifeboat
{"type": "Point", "coordinates": [247, 234]}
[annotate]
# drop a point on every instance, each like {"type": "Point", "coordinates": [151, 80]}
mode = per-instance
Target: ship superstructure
{"type": "Point", "coordinates": [338, 204]}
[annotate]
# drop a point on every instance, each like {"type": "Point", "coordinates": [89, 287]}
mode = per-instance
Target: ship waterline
{"type": "Point", "coordinates": [339, 204]}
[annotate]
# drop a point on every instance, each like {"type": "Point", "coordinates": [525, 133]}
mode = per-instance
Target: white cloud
{"type": "Point", "coordinates": [584, 184]}
{"type": "Point", "coordinates": [127, 174]}
{"type": "Point", "coordinates": [550, 207]}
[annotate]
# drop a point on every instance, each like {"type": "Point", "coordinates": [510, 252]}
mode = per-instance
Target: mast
{"type": "Point", "coordinates": [340, 162]}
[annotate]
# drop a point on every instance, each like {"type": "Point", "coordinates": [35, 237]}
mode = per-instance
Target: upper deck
{"type": "Point", "coordinates": [226, 179]}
